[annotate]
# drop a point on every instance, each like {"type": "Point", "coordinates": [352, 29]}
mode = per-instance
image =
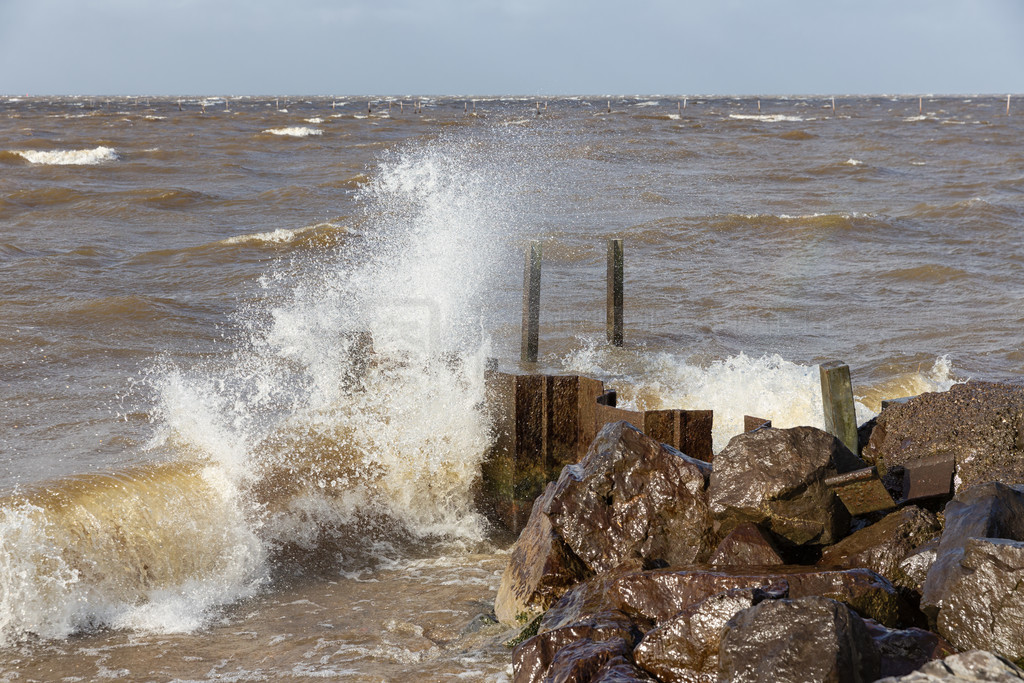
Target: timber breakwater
{"type": "Point", "coordinates": [786, 556]}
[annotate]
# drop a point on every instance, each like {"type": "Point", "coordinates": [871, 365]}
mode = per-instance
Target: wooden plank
{"type": "Point", "coordinates": [531, 304]}
{"type": "Point", "coordinates": [837, 401]}
{"type": "Point", "coordinates": [614, 296]}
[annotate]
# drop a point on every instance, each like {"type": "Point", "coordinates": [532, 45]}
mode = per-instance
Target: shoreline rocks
{"type": "Point", "coordinates": [648, 565]}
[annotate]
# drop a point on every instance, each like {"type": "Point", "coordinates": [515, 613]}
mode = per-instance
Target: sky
{"type": "Point", "coordinates": [506, 47]}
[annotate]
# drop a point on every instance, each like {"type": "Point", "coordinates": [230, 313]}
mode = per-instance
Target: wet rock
{"type": "Point", "coordinates": [631, 497]}
{"type": "Point", "coordinates": [980, 424]}
{"type": "Point", "coordinates": [540, 568]}
{"type": "Point", "coordinates": [685, 647]}
{"type": "Point", "coordinates": [989, 510]}
{"type": "Point", "coordinates": [902, 651]}
{"type": "Point", "coordinates": [883, 545]}
{"type": "Point", "coordinates": [914, 567]}
{"type": "Point", "coordinates": [661, 594]}
{"type": "Point", "coordinates": [983, 605]}
{"type": "Point", "coordinates": [593, 602]}
{"type": "Point", "coordinates": [975, 665]}
{"type": "Point", "coordinates": [534, 658]}
{"type": "Point", "coordinates": [620, 670]}
{"type": "Point", "coordinates": [775, 478]}
{"type": "Point", "coordinates": [579, 662]}
{"type": "Point", "coordinates": [748, 545]}
{"type": "Point", "coordinates": [799, 640]}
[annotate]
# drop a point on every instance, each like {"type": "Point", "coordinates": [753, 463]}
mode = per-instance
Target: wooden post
{"type": "Point", "coordinates": [759, 106]}
{"type": "Point", "coordinates": [833, 105]}
{"type": "Point", "coordinates": [614, 297]}
{"type": "Point", "coordinates": [920, 105]}
{"type": "Point", "coordinates": [531, 304]}
{"type": "Point", "coordinates": [1007, 105]}
{"type": "Point", "coordinates": [837, 400]}
{"type": "Point", "coordinates": [609, 106]}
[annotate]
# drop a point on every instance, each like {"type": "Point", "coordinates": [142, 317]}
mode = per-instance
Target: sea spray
{"type": "Point", "coordinates": [768, 386]}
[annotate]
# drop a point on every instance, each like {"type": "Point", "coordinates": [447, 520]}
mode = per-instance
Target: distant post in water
{"type": "Point", "coordinates": [531, 304]}
{"type": "Point", "coordinates": [1007, 105]}
{"type": "Point", "coordinates": [837, 400]}
{"type": "Point", "coordinates": [614, 299]}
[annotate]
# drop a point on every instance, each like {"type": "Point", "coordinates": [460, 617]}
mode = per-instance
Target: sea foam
{"type": "Point", "coordinates": [294, 131]}
{"type": "Point", "coordinates": [70, 157]}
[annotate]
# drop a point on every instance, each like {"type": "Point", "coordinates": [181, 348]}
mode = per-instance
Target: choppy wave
{"type": "Point", "coordinates": [768, 118]}
{"type": "Point", "coordinates": [284, 235]}
{"type": "Point", "coordinates": [294, 131]}
{"type": "Point", "coordinates": [70, 157]}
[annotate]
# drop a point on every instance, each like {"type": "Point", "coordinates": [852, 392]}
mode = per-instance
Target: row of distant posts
{"type": "Point", "coordinates": [544, 422]}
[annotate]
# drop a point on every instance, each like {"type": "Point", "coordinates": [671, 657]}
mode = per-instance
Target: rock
{"type": "Point", "coordinates": [775, 478]}
{"type": "Point", "coordinates": [685, 647]}
{"type": "Point", "coordinates": [914, 567]}
{"type": "Point", "coordinates": [980, 424]}
{"type": "Point", "coordinates": [802, 640]}
{"type": "Point", "coordinates": [748, 545]}
{"type": "Point", "coordinates": [540, 569]}
{"type": "Point", "coordinates": [587, 612]}
{"type": "Point", "coordinates": [659, 595]}
{"type": "Point", "coordinates": [983, 606]}
{"type": "Point", "coordinates": [975, 665]}
{"type": "Point", "coordinates": [631, 497]}
{"type": "Point", "coordinates": [989, 510]}
{"type": "Point", "coordinates": [591, 602]}
{"type": "Point", "coordinates": [883, 545]}
{"type": "Point", "coordinates": [620, 670]}
{"type": "Point", "coordinates": [580, 661]}
{"type": "Point", "coordinates": [902, 651]}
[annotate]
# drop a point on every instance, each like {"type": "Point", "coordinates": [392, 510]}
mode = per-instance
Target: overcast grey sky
{"type": "Point", "coordinates": [530, 47]}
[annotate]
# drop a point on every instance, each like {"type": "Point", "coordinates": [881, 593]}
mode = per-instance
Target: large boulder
{"type": "Point", "coordinates": [983, 606]}
{"type": "Point", "coordinates": [540, 569]}
{"type": "Point", "coordinates": [902, 651]}
{"type": "Point", "coordinates": [661, 594]}
{"type": "Point", "coordinates": [684, 649]}
{"type": "Point", "coordinates": [883, 545]}
{"type": "Point", "coordinates": [632, 497]}
{"type": "Point", "coordinates": [989, 510]}
{"type": "Point", "coordinates": [776, 478]}
{"type": "Point", "coordinates": [587, 614]}
{"type": "Point", "coordinates": [975, 665]}
{"type": "Point", "coordinates": [798, 640]}
{"type": "Point", "coordinates": [620, 670]}
{"type": "Point", "coordinates": [748, 545]}
{"type": "Point", "coordinates": [979, 424]}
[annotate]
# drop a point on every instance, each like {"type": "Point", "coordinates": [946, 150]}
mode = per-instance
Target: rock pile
{"type": "Point", "coordinates": [642, 564]}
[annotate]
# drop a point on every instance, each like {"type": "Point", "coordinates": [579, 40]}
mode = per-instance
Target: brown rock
{"type": "Point", "coordinates": [661, 594]}
{"type": "Point", "coordinates": [914, 567]}
{"type": "Point", "coordinates": [776, 478]}
{"type": "Point", "coordinates": [989, 510]}
{"type": "Point", "coordinates": [620, 670]}
{"type": "Point", "coordinates": [883, 545]}
{"type": "Point", "coordinates": [631, 497]}
{"type": "Point", "coordinates": [975, 665]}
{"type": "Point", "coordinates": [580, 661]}
{"type": "Point", "coordinates": [902, 651]}
{"type": "Point", "coordinates": [540, 569]}
{"type": "Point", "coordinates": [984, 604]}
{"type": "Point", "coordinates": [980, 424]}
{"type": "Point", "coordinates": [748, 545]}
{"type": "Point", "coordinates": [684, 649]}
{"type": "Point", "coordinates": [799, 640]}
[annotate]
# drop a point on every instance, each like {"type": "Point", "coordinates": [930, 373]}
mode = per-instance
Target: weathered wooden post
{"type": "Point", "coordinates": [531, 304]}
{"type": "Point", "coordinates": [837, 400]}
{"type": "Point", "coordinates": [614, 297]}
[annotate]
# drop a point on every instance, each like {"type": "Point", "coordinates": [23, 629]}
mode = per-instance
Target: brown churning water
{"type": "Point", "coordinates": [201, 481]}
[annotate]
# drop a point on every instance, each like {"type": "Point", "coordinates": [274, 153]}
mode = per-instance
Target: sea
{"type": "Point", "coordinates": [205, 476]}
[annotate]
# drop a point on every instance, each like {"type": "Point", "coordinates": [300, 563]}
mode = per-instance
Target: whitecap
{"type": "Point", "coordinates": [70, 157]}
{"type": "Point", "coordinates": [294, 131]}
{"type": "Point", "coordinates": [853, 162]}
{"type": "Point", "coordinates": [768, 118]}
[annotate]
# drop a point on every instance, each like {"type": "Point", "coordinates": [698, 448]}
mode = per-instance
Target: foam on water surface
{"type": "Point", "coordinates": [294, 131]}
{"type": "Point", "coordinates": [70, 157]}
